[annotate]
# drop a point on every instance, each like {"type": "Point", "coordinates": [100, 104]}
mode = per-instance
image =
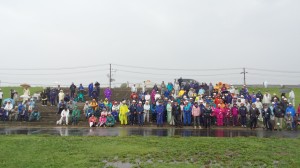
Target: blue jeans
{"type": "Point", "coordinates": [159, 118]}
{"type": "Point", "coordinates": [141, 119]}
{"type": "Point", "coordinates": [187, 118]}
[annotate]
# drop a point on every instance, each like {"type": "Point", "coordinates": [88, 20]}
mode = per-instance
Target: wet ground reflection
{"type": "Point", "coordinates": [65, 131]}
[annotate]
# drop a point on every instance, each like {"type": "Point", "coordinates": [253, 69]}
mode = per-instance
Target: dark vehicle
{"type": "Point", "coordinates": [184, 81]}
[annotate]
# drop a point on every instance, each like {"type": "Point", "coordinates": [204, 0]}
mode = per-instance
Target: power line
{"type": "Point", "coordinates": [53, 69]}
{"type": "Point", "coordinates": [171, 69]}
{"type": "Point", "coordinates": [276, 75]}
{"type": "Point", "coordinates": [61, 73]}
{"type": "Point", "coordinates": [176, 74]}
{"type": "Point", "coordinates": [272, 70]}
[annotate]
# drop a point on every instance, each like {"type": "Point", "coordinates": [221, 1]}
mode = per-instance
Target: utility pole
{"type": "Point", "coordinates": [110, 76]}
{"type": "Point", "coordinates": [244, 72]}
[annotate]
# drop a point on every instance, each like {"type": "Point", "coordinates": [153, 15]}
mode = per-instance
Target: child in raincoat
{"type": "Point", "coordinates": [110, 120]}
{"type": "Point", "coordinates": [102, 121]}
{"type": "Point", "coordinates": [92, 121]}
{"type": "Point", "coordinates": [123, 113]}
{"type": "Point", "coordinates": [219, 115]}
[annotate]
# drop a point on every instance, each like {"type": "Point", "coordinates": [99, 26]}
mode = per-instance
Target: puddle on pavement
{"type": "Point", "coordinates": [164, 132]}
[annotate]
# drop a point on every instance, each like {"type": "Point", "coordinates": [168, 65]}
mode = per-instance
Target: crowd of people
{"type": "Point", "coordinates": [193, 104]}
{"type": "Point", "coordinates": [179, 104]}
{"type": "Point", "coordinates": [24, 110]}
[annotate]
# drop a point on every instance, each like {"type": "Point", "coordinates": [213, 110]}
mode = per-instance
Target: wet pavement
{"type": "Point", "coordinates": [162, 132]}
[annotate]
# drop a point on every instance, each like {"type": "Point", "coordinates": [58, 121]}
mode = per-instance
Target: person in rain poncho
{"type": "Point", "coordinates": [64, 117]}
{"type": "Point", "coordinates": [169, 113]}
{"type": "Point", "coordinates": [267, 99]}
{"type": "Point", "coordinates": [292, 97]}
{"type": "Point", "coordinates": [110, 120]}
{"type": "Point", "coordinates": [123, 113]}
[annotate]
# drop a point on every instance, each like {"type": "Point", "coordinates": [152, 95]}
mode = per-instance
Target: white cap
{"type": "Point", "coordinates": [133, 101]}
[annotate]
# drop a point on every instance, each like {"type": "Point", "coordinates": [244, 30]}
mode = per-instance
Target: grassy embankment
{"type": "Point", "coordinates": [54, 151]}
{"type": "Point", "coordinates": [6, 90]}
{"type": "Point", "coordinates": [276, 90]}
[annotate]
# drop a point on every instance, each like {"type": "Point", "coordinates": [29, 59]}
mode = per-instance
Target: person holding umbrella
{"type": "Point", "coordinates": [26, 92]}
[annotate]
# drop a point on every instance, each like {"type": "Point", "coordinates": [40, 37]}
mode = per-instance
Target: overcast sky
{"type": "Point", "coordinates": [164, 34]}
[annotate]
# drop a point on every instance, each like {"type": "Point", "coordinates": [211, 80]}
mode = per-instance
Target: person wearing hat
{"type": "Point", "coordinates": [133, 112]}
{"type": "Point", "coordinates": [102, 120]}
{"type": "Point", "coordinates": [176, 112]}
{"type": "Point", "coordinates": [110, 120]}
{"type": "Point", "coordinates": [64, 116]}
{"type": "Point", "coordinates": [289, 120]}
{"type": "Point", "coordinates": [259, 106]}
{"type": "Point", "coordinates": [75, 115]}
{"type": "Point", "coordinates": [91, 88]}
{"type": "Point", "coordinates": [169, 113]}
{"type": "Point", "coordinates": [157, 96]}
{"type": "Point", "coordinates": [8, 108]}
{"type": "Point", "coordinates": [146, 111]}
{"type": "Point", "coordinates": [187, 114]}
{"type": "Point", "coordinates": [133, 89]}
{"type": "Point", "coordinates": [207, 113]}
{"type": "Point", "coordinates": [72, 90]}
{"type": "Point", "coordinates": [1, 97]}
{"type": "Point", "coordinates": [234, 112]}
{"type": "Point", "coordinates": [292, 97]}
{"type": "Point", "coordinates": [267, 113]}
{"type": "Point", "coordinates": [93, 121]}
{"type": "Point", "coordinates": [94, 104]}
{"type": "Point", "coordinates": [176, 88]}
{"type": "Point", "coordinates": [254, 113]}
{"type": "Point", "coordinates": [115, 110]}
{"type": "Point", "coordinates": [267, 99]}
{"type": "Point", "coordinates": [140, 113]}
{"type": "Point", "coordinates": [219, 115]}
{"type": "Point", "coordinates": [290, 109]}
{"type": "Point", "coordinates": [104, 112]}
{"type": "Point", "coordinates": [123, 113]}
{"type": "Point", "coordinates": [274, 97]}
{"type": "Point", "coordinates": [243, 115]}
{"type": "Point", "coordinates": [61, 96]}
{"type": "Point", "coordinates": [279, 113]}
{"type": "Point", "coordinates": [159, 114]}
{"type": "Point", "coordinates": [196, 115]}
{"type": "Point", "coordinates": [284, 103]}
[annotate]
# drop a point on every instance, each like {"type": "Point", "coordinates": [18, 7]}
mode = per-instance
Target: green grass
{"type": "Point", "coordinates": [276, 90]}
{"type": "Point", "coordinates": [6, 90]}
{"type": "Point", "coordinates": [54, 151]}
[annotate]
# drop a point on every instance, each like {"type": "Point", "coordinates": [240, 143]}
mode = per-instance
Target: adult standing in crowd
{"type": "Point", "coordinates": [176, 112]}
{"type": "Point", "coordinates": [72, 90]}
{"type": "Point", "coordinates": [1, 97]}
{"type": "Point", "coordinates": [254, 113]}
{"type": "Point", "coordinates": [133, 112]}
{"type": "Point", "coordinates": [160, 112]}
{"type": "Point", "coordinates": [292, 97]}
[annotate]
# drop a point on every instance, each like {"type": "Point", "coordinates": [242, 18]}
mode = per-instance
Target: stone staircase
{"type": "Point", "coordinates": [49, 114]}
